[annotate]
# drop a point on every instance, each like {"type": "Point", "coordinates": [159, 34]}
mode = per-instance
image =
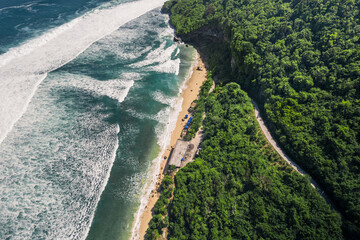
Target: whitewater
{"type": "Point", "coordinates": [85, 110]}
{"type": "Point", "coordinates": [23, 68]}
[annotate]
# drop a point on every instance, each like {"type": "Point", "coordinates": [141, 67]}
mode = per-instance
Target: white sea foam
{"type": "Point", "coordinates": [54, 181]}
{"type": "Point", "coordinates": [113, 156]}
{"type": "Point", "coordinates": [116, 89]}
{"type": "Point", "coordinates": [164, 131]}
{"type": "Point", "coordinates": [52, 50]}
{"type": "Point", "coordinates": [158, 55]}
{"type": "Point", "coordinates": [170, 66]}
{"type": "Point", "coordinates": [160, 60]}
{"type": "Point", "coordinates": [177, 52]}
{"type": "Point", "coordinates": [78, 167]}
{"type": "Point", "coordinates": [72, 149]}
{"type": "Point", "coordinates": [110, 46]}
{"type": "Point", "coordinates": [164, 99]}
{"type": "Point", "coordinates": [27, 6]}
{"type": "Point", "coordinates": [169, 31]}
{"type": "Point", "coordinates": [160, 117]}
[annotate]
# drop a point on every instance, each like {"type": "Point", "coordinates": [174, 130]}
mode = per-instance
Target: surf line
{"type": "Point", "coordinates": [113, 158]}
{"type": "Point", "coordinates": [53, 49]}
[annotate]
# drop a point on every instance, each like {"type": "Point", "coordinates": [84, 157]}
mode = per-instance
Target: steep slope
{"type": "Point", "coordinates": [301, 61]}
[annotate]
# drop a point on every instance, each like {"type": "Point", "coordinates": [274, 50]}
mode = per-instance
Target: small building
{"type": "Point", "coordinates": [178, 153]}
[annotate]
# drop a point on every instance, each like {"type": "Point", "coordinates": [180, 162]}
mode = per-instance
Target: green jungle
{"type": "Point", "coordinates": [300, 61]}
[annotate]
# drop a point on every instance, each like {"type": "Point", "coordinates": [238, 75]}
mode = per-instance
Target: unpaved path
{"type": "Point", "coordinates": [287, 158]}
{"type": "Point", "coordinates": [275, 145]}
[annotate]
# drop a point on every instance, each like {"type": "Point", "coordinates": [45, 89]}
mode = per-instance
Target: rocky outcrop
{"type": "Point", "coordinates": [177, 39]}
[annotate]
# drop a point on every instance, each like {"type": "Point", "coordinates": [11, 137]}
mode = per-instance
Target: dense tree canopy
{"type": "Point", "coordinates": [300, 59]}
{"type": "Point", "coordinates": [239, 188]}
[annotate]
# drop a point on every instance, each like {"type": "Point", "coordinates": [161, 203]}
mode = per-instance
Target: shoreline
{"type": "Point", "coordinates": [189, 93]}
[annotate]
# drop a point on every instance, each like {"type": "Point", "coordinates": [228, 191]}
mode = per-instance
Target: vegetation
{"type": "Point", "coordinates": [159, 219]}
{"type": "Point", "coordinates": [200, 107]}
{"type": "Point", "coordinates": [239, 188]}
{"type": "Point", "coordinates": [300, 59]}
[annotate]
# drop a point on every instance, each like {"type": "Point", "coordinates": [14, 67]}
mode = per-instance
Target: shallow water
{"type": "Point", "coordinates": [78, 141]}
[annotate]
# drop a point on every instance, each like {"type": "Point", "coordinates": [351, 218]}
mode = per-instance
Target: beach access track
{"type": "Point", "coordinates": [284, 156]}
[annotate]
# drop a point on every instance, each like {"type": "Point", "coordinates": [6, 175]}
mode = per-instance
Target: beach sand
{"type": "Point", "coordinates": [189, 95]}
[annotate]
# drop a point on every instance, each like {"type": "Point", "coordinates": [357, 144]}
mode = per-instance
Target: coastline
{"type": "Point", "coordinates": [188, 95]}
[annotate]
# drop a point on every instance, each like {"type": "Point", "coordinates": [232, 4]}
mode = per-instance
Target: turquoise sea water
{"type": "Point", "coordinates": [87, 103]}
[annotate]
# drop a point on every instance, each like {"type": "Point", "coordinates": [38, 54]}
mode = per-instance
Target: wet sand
{"type": "Point", "coordinates": [189, 95]}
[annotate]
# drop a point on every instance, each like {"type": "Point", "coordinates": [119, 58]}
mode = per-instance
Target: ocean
{"type": "Point", "coordinates": [89, 95]}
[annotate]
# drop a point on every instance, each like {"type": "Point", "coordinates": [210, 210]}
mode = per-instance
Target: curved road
{"type": "Point", "coordinates": [287, 158]}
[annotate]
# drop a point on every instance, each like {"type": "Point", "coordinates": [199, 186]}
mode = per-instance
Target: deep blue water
{"type": "Point", "coordinates": [21, 20]}
{"type": "Point", "coordinates": [87, 103]}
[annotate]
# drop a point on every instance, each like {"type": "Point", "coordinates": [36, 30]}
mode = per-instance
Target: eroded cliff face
{"type": "Point", "coordinates": [204, 34]}
{"type": "Point", "coordinates": [212, 31]}
{"type": "Point", "coordinates": [208, 36]}
{"type": "Point", "coordinates": [206, 40]}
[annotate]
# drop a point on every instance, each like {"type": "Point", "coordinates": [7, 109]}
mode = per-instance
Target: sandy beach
{"type": "Point", "coordinates": [189, 95]}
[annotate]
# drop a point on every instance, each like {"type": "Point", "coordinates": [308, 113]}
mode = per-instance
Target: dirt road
{"type": "Point", "coordinates": [286, 157]}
